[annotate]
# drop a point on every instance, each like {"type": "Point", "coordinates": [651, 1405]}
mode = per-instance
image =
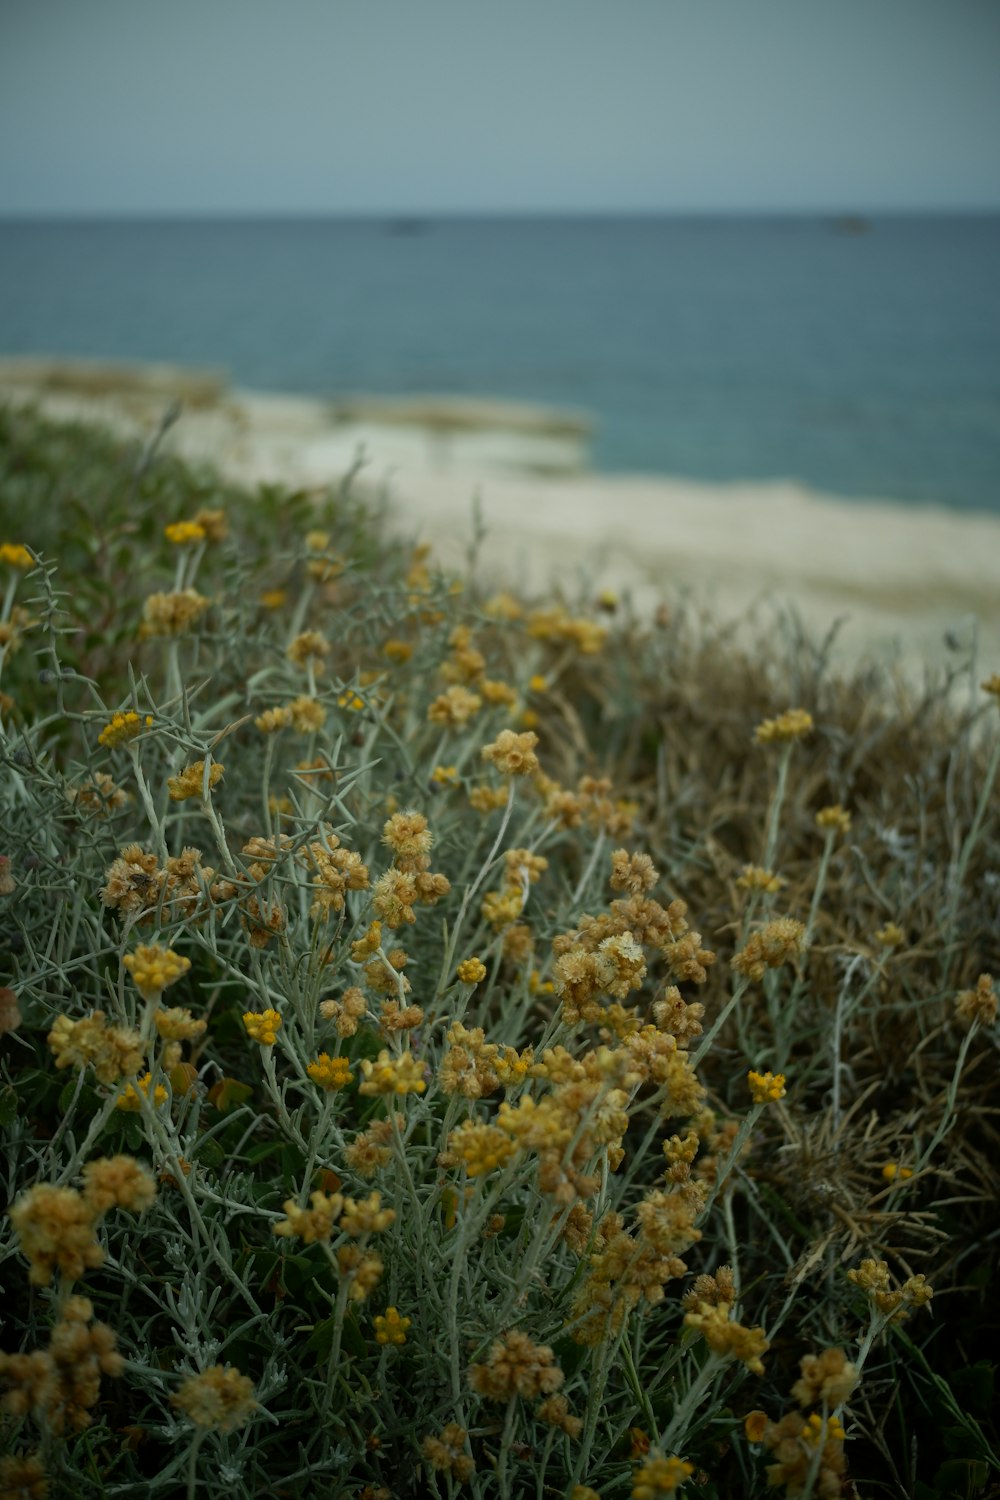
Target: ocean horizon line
{"type": "Point", "coordinates": [852, 215]}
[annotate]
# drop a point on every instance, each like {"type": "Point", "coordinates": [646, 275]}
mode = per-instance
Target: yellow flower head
{"type": "Point", "coordinates": [660, 1476]}
{"type": "Point", "coordinates": [262, 1026]}
{"type": "Point", "coordinates": [130, 1101]}
{"type": "Point", "coordinates": [892, 1170]}
{"type": "Point", "coordinates": [16, 556]}
{"type": "Point", "coordinates": [122, 728]}
{"type": "Point", "coordinates": [191, 781]}
{"type": "Point", "coordinates": [330, 1072]}
{"type": "Point", "coordinates": [184, 533]}
{"type": "Point", "coordinates": [791, 725]}
{"type": "Point", "coordinates": [471, 970]}
{"type": "Point", "coordinates": [154, 968]}
{"type": "Point", "coordinates": [833, 819]}
{"type": "Point", "coordinates": [392, 1075]}
{"type": "Point", "coordinates": [391, 1329]}
{"type": "Point", "coordinates": [766, 1088]}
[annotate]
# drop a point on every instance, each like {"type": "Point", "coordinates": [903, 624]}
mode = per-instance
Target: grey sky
{"type": "Point", "coordinates": [422, 105]}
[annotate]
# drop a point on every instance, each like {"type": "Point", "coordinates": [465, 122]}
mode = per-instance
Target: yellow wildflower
{"type": "Point", "coordinates": [307, 715]}
{"type": "Point", "coordinates": [273, 719]}
{"type": "Point", "coordinates": [392, 1075]}
{"type": "Point", "coordinates": [262, 1026]}
{"type": "Point", "coordinates": [398, 651]}
{"type": "Point", "coordinates": [130, 1101]}
{"type": "Point", "coordinates": [471, 970]}
{"type": "Point", "coordinates": [791, 725]}
{"type": "Point", "coordinates": [154, 968]}
{"type": "Point", "coordinates": [766, 1088]}
{"type": "Point", "coordinates": [330, 1072]}
{"type": "Point", "coordinates": [890, 936]}
{"type": "Point", "coordinates": [350, 700]}
{"type": "Point", "coordinates": [366, 1216]}
{"type": "Point", "coordinates": [893, 1170]}
{"type": "Point", "coordinates": [444, 776]}
{"type": "Point", "coordinates": [191, 781]}
{"type": "Point", "coordinates": [313, 1225]}
{"type": "Point", "coordinates": [391, 1329]}
{"type": "Point", "coordinates": [479, 1147]}
{"type": "Point", "coordinates": [756, 878]}
{"type": "Point", "coordinates": [274, 598]}
{"type": "Point", "coordinates": [184, 533]}
{"type": "Point", "coordinates": [726, 1337]}
{"type": "Point", "coordinates": [660, 1476]}
{"type": "Point", "coordinates": [833, 819]}
{"type": "Point", "coordinates": [122, 728]}
{"type": "Point", "coordinates": [16, 556]}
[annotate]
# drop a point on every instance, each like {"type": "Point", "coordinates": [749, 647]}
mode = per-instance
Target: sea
{"type": "Point", "coordinates": [858, 356]}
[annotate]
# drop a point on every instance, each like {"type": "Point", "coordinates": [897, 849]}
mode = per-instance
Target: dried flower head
{"type": "Point", "coordinates": [979, 1004]}
{"type": "Point", "coordinates": [513, 754]}
{"type": "Point", "coordinates": [310, 647]}
{"type": "Point", "coordinates": [220, 1398]}
{"type": "Point", "coordinates": [446, 1453]}
{"type": "Point", "coordinates": [55, 1228]}
{"type": "Point", "coordinates": [516, 1367]}
{"type": "Point", "coordinates": [827, 1379]}
{"type": "Point", "coordinates": [117, 1182]}
{"type": "Point", "coordinates": [778, 942]}
{"type": "Point", "coordinates": [112, 1051]}
{"type": "Point", "coordinates": [172, 614]}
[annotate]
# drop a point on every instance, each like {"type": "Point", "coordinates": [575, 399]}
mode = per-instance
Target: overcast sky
{"type": "Point", "coordinates": [138, 106]}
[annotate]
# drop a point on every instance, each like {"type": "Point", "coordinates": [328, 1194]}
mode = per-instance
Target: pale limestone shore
{"type": "Point", "coordinates": [910, 583]}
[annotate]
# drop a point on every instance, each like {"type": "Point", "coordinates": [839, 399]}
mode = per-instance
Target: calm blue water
{"type": "Point", "coordinates": [860, 363]}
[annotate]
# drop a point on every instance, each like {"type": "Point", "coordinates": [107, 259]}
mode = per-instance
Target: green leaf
{"type": "Point", "coordinates": [8, 1104]}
